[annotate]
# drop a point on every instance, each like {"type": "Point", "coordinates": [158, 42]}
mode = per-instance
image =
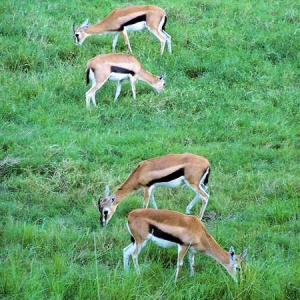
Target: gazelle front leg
{"type": "Point", "coordinates": [132, 83]}
{"type": "Point", "coordinates": [181, 253]}
{"type": "Point", "coordinates": [115, 40]}
{"type": "Point", "coordinates": [125, 37]}
{"type": "Point", "coordinates": [118, 91]}
{"type": "Point", "coordinates": [191, 261]}
{"type": "Point", "coordinates": [146, 197]}
{"type": "Point", "coordinates": [151, 197]}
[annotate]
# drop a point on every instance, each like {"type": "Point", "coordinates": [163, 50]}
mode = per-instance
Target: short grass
{"type": "Point", "coordinates": [232, 95]}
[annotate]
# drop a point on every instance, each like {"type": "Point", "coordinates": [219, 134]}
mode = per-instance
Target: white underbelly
{"type": "Point", "coordinates": [173, 183]}
{"type": "Point", "coordinates": [161, 242]}
{"type": "Point", "coordinates": [136, 27]}
{"type": "Point", "coordinates": [119, 76]}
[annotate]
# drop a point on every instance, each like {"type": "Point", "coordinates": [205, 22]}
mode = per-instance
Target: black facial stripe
{"type": "Point", "coordinates": [164, 235]}
{"type": "Point", "coordinates": [167, 178]}
{"type": "Point", "coordinates": [115, 69]}
{"type": "Point", "coordinates": [135, 20]}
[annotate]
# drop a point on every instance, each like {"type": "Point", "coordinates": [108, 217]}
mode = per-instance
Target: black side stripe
{"type": "Point", "coordinates": [135, 20]}
{"type": "Point", "coordinates": [164, 235]}
{"type": "Point", "coordinates": [167, 178]}
{"type": "Point", "coordinates": [120, 70]}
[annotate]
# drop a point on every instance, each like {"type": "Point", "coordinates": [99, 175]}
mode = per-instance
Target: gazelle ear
{"type": "Point", "coordinates": [231, 255]}
{"type": "Point", "coordinates": [106, 192]}
{"type": "Point", "coordinates": [112, 199]}
{"type": "Point", "coordinates": [245, 254]}
{"type": "Point", "coordinates": [85, 24]}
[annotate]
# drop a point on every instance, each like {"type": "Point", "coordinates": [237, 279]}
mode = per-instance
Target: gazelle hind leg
{"type": "Point", "coordinates": [135, 255]}
{"type": "Point", "coordinates": [191, 204]}
{"type": "Point", "coordinates": [91, 94]}
{"type": "Point", "coordinates": [160, 35]}
{"type": "Point", "coordinates": [168, 40]}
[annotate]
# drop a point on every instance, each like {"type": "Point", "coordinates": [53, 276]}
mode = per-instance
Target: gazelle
{"type": "Point", "coordinates": [170, 170]}
{"type": "Point", "coordinates": [131, 18]}
{"type": "Point", "coordinates": [118, 67]}
{"type": "Point", "coordinates": [170, 228]}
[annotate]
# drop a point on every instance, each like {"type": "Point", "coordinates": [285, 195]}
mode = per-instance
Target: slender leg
{"type": "Point", "coordinates": [135, 255]}
{"type": "Point", "coordinates": [91, 94]}
{"type": "Point", "coordinates": [125, 37]}
{"type": "Point", "coordinates": [162, 38]}
{"type": "Point", "coordinates": [146, 197]}
{"type": "Point", "coordinates": [181, 253]}
{"type": "Point", "coordinates": [132, 82]}
{"type": "Point", "coordinates": [127, 251]}
{"type": "Point", "coordinates": [191, 204]}
{"type": "Point", "coordinates": [118, 91]}
{"type": "Point", "coordinates": [152, 200]}
{"type": "Point", "coordinates": [115, 40]}
{"type": "Point", "coordinates": [191, 261]}
{"type": "Point", "coordinates": [168, 39]}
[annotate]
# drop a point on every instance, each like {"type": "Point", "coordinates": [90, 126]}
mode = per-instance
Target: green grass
{"type": "Point", "coordinates": [232, 95]}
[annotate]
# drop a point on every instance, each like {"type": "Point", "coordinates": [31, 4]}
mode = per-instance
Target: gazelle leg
{"type": "Point", "coordinates": [191, 204]}
{"type": "Point", "coordinates": [146, 197]}
{"type": "Point", "coordinates": [181, 253]}
{"type": "Point", "coordinates": [168, 39]}
{"type": "Point", "coordinates": [115, 40]}
{"type": "Point", "coordinates": [191, 261]}
{"type": "Point", "coordinates": [151, 197]}
{"type": "Point", "coordinates": [127, 251]}
{"type": "Point", "coordinates": [132, 83]}
{"type": "Point", "coordinates": [91, 94]}
{"type": "Point", "coordinates": [125, 37]}
{"type": "Point", "coordinates": [118, 91]}
{"type": "Point", "coordinates": [135, 255]}
{"type": "Point", "coordinates": [204, 197]}
{"type": "Point", "coordinates": [160, 35]}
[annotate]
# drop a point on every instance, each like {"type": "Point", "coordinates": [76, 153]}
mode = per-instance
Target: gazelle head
{"type": "Point", "coordinates": [236, 264]}
{"type": "Point", "coordinates": [106, 207]}
{"type": "Point", "coordinates": [159, 85]}
{"type": "Point", "coordinates": [79, 32]}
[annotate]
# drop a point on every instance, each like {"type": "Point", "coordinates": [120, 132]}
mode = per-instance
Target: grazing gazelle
{"type": "Point", "coordinates": [170, 228]}
{"type": "Point", "coordinates": [131, 18]}
{"type": "Point", "coordinates": [118, 67]}
{"type": "Point", "coordinates": [170, 170]}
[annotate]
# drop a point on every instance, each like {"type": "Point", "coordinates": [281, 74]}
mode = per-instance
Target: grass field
{"type": "Point", "coordinates": [232, 95]}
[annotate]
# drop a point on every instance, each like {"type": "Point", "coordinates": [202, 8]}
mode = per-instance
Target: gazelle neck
{"type": "Point", "coordinates": [97, 29]}
{"type": "Point", "coordinates": [218, 253]}
{"type": "Point", "coordinates": [147, 77]}
{"type": "Point", "coordinates": [126, 188]}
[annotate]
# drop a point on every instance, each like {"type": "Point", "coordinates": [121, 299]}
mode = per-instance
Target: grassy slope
{"type": "Point", "coordinates": [232, 95]}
